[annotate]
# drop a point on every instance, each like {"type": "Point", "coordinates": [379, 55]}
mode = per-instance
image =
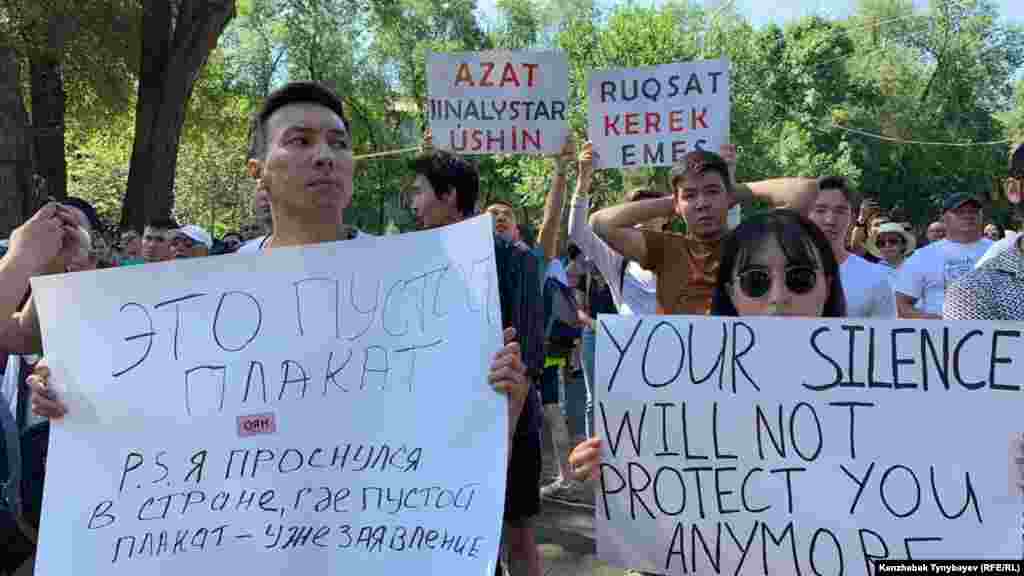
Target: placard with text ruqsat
{"type": "Point", "coordinates": [303, 411]}
{"type": "Point", "coordinates": [655, 116]}
{"type": "Point", "coordinates": [801, 446]}
{"type": "Point", "coordinates": [498, 102]}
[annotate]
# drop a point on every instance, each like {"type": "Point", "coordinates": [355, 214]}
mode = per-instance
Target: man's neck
{"type": "Point", "coordinates": [708, 239]}
{"type": "Point", "coordinates": [963, 239]}
{"type": "Point", "coordinates": [300, 233]}
{"type": "Point", "coordinates": [841, 254]}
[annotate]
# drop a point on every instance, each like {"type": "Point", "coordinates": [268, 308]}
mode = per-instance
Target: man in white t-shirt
{"type": "Point", "coordinates": [866, 285]}
{"type": "Point", "coordinates": [921, 286]}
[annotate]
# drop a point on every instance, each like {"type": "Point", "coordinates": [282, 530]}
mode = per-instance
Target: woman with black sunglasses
{"type": "Point", "coordinates": [778, 264]}
{"type": "Point", "coordinates": [775, 264]}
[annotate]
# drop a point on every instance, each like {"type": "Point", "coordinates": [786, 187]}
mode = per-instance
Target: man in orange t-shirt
{"type": "Point", "coordinates": [704, 189]}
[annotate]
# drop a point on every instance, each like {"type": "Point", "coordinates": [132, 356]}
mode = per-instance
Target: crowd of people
{"type": "Point", "coordinates": [821, 252]}
{"type": "Point", "coordinates": [104, 246]}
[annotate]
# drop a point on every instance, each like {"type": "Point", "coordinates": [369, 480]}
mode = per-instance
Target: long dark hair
{"type": "Point", "coordinates": [796, 235]}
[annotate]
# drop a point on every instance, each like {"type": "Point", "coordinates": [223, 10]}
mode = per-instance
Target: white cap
{"type": "Point", "coordinates": [197, 234]}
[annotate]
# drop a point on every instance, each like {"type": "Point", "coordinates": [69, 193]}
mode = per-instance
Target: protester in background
{"type": "Point", "coordinates": [891, 244]}
{"type": "Point", "coordinates": [633, 289]}
{"type": "Point", "coordinates": [444, 191]}
{"type": "Point", "coordinates": [191, 242]}
{"type": "Point", "coordinates": [75, 221]}
{"type": "Point", "coordinates": [774, 264]}
{"type": "Point", "coordinates": [876, 222]}
{"type": "Point", "coordinates": [868, 292]}
{"type": "Point", "coordinates": [993, 233]}
{"type": "Point", "coordinates": [704, 190]}
{"type": "Point", "coordinates": [559, 394]}
{"type": "Point", "coordinates": [156, 240]}
{"type": "Point", "coordinates": [87, 257]}
{"type": "Point", "coordinates": [936, 231]}
{"type": "Point", "coordinates": [231, 241]}
{"type": "Point", "coordinates": [51, 241]}
{"type": "Point", "coordinates": [924, 277]}
{"type": "Point", "coordinates": [995, 290]}
{"type": "Point", "coordinates": [36, 247]}
{"type": "Point", "coordinates": [556, 341]}
{"type": "Point", "coordinates": [131, 248]}
{"type": "Point", "coordinates": [869, 210]}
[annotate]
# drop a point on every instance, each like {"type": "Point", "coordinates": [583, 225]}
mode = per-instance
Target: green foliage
{"type": "Point", "coordinates": [942, 74]}
{"type": "Point", "coordinates": [1013, 118]}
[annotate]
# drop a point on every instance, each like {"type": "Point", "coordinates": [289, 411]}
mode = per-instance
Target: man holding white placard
{"type": "Point", "coordinates": [307, 170]}
{"type": "Point", "coordinates": [305, 162]}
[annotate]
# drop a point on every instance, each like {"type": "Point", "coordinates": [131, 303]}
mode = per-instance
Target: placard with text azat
{"type": "Point", "coordinates": [303, 411]}
{"type": "Point", "coordinates": [498, 102]}
{"type": "Point", "coordinates": [802, 446]}
{"type": "Point", "coordinates": [654, 116]}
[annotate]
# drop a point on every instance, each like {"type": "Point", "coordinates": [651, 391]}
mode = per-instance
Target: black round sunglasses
{"type": "Point", "coordinates": [757, 282]}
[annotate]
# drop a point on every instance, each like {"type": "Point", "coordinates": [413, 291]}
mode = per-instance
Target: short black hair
{"type": "Point", "coordinates": [162, 223]}
{"type": "Point", "coordinates": [702, 161]}
{"type": "Point", "coordinates": [840, 183]}
{"type": "Point", "coordinates": [291, 93]}
{"type": "Point", "coordinates": [798, 237]}
{"type": "Point", "coordinates": [445, 172]}
{"type": "Point", "coordinates": [1017, 162]}
{"type": "Point", "coordinates": [235, 234]}
{"type": "Point", "coordinates": [90, 213]}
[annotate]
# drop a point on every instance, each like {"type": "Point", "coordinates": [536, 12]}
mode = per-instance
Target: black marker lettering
{"type": "Point", "coordinates": [177, 317]}
{"type": "Point", "coordinates": [216, 318]}
{"type": "Point", "coordinates": [851, 406]}
{"type": "Point", "coordinates": [148, 335]}
{"type": "Point", "coordinates": [622, 350]}
{"type": "Point", "coordinates": [835, 365]}
{"type": "Point", "coordinates": [736, 364]}
{"type": "Point", "coordinates": [661, 357]}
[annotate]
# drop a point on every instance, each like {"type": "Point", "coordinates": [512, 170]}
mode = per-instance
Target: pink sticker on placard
{"type": "Point", "coordinates": [256, 424]}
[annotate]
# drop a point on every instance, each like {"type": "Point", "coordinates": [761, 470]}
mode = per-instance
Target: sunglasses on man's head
{"type": "Point", "coordinates": [757, 282]}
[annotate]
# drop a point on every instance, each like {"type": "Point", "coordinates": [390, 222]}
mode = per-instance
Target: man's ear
{"type": "Point", "coordinates": [254, 167]}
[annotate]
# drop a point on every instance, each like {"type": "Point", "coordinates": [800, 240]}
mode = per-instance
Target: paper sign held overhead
{"type": "Point", "coordinates": [297, 411]}
{"type": "Point", "coordinates": [654, 116]}
{"type": "Point", "coordinates": [806, 446]}
{"type": "Point", "coordinates": [498, 102]}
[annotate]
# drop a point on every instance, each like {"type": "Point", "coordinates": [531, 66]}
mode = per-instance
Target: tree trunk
{"type": "Point", "coordinates": [176, 41]}
{"type": "Point", "coordinates": [15, 152]}
{"type": "Point", "coordinates": [48, 109]}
